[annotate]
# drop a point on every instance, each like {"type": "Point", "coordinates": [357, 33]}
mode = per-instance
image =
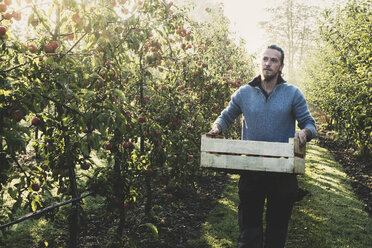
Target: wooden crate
{"type": "Point", "coordinates": [220, 153]}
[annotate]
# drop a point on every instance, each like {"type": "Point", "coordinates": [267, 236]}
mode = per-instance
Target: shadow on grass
{"type": "Point", "coordinates": [221, 228]}
{"type": "Point", "coordinates": [330, 216]}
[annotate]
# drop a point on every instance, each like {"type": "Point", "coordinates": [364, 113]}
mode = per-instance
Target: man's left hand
{"type": "Point", "coordinates": [303, 135]}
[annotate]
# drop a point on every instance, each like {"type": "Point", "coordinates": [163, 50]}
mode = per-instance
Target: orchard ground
{"type": "Point", "coordinates": [190, 219]}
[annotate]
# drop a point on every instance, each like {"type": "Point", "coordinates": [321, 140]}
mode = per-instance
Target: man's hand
{"type": "Point", "coordinates": [303, 135]}
{"type": "Point", "coordinates": [216, 129]}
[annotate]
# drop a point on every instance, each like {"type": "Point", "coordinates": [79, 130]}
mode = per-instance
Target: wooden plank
{"type": "Point", "coordinates": [299, 165]}
{"type": "Point", "coordinates": [298, 150]}
{"type": "Point", "coordinates": [247, 147]}
{"type": "Point", "coordinates": [240, 162]}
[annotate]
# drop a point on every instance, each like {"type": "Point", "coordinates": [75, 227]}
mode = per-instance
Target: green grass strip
{"type": "Point", "coordinates": [331, 216]}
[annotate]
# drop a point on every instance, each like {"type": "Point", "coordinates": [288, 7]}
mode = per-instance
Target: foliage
{"type": "Point", "coordinates": [340, 78]}
{"type": "Point", "coordinates": [133, 84]}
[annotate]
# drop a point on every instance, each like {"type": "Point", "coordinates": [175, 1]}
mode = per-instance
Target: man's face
{"type": "Point", "coordinates": [270, 64]}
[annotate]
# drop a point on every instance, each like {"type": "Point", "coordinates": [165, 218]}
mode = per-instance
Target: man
{"type": "Point", "coordinates": [270, 108]}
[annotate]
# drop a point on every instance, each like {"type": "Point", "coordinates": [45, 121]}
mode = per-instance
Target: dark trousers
{"type": "Point", "coordinates": [279, 191]}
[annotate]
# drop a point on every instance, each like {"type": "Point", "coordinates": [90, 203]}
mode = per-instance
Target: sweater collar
{"type": "Point", "coordinates": [257, 81]}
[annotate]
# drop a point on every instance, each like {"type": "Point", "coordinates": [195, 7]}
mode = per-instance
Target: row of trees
{"type": "Point", "coordinates": [129, 83]}
{"type": "Point", "coordinates": [328, 54]}
{"type": "Point", "coordinates": [339, 75]}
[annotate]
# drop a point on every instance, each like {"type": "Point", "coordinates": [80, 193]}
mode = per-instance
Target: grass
{"type": "Point", "coordinates": [331, 216]}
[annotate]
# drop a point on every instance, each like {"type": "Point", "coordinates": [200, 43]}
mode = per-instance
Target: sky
{"type": "Point", "coordinates": [244, 16]}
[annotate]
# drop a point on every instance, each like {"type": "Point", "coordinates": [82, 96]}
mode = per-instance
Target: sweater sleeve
{"type": "Point", "coordinates": [230, 113]}
{"type": "Point", "coordinates": [302, 113]}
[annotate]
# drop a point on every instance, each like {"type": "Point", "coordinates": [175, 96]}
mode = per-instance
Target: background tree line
{"type": "Point", "coordinates": [328, 54]}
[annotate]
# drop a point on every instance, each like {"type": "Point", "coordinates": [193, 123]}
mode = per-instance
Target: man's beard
{"type": "Point", "coordinates": [270, 77]}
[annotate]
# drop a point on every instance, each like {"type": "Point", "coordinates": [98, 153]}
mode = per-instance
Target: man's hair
{"type": "Point", "coordinates": [275, 47]}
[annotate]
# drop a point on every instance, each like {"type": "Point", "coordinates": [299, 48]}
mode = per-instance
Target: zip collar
{"type": "Point", "coordinates": [257, 81]}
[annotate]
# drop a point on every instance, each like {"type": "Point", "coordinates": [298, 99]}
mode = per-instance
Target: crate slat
{"type": "Point", "coordinates": [247, 147]}
{"type": "Point", "coordinates": [299, 165]}
{"type": "Point", "coordinates": [238, 162]}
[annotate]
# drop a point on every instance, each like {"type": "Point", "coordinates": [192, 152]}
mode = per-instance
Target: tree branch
{"type": "Point", "coordinates": [39, 212]}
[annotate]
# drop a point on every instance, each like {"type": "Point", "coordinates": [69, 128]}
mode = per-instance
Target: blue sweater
{"type": "Point", "coordinates": [268, 118]}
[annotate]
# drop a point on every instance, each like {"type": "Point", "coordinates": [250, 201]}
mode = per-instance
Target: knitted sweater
{"type": "Point", "coordinates": [268, 118]}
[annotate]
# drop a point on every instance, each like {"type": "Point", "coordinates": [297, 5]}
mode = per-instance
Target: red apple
{"type": "Point", "coordinates": [128, 144]}
{"type": "Point", "coordinates": [109, 146]}
{"type": "Point", "coordinates": [2, 30]}
{"type": "Point", "coordinates": [86, 166]}
{"type": "Point", "coordinates": [17, 115]}
{"type": "Point", "coordinates": [48, 48]}
{"type": "Point", "coordinates": [35, 186]}
{"type": "Point", "coordinates": [142, 119]}
{"type": "Point", "coordinates": [34, 22]}
{"type": "Point", "coordinates": [32, 48]}
{"type": "Point", "coordinates": [76, 18]}
{"type": "Point", "coordinates": [54, 44]}
{"type": "Point", "coordinates": [3, 7]}
{"type": "Point", "coordinates": [17, 16]}
{"type": "Point", "coordinates": [128, 113]}
{"type": "Point", "coordinates": [8, 16]}
{"type": "Point", "coordinates": [35, 121]}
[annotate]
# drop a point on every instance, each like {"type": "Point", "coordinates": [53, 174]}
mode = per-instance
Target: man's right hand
{"type": "Point", "coordinates": [216, 129]}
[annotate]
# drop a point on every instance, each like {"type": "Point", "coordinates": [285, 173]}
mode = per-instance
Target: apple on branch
{"type": "Point", "coordinates": [76, 18]}
{"type": "Point", "coordinates": [35, 121]}
{"type": "Point", "coordinates": [48, 48]}
{"type": "Point", "coordinates": [86, 166]}
{"type": "Point", "coordinates": [17, 115]}
{"type": "Point", "coordinates": [2, 30]}
{"type": "Point", "coordinates": [35, 186]}
{"type": "Point", "coordinates": [8, 16]}
{"type": "Point", "coordinates": [17, 16]}
{"type": "Point", "coordinates": [3, 7]}
{"type": "Point", "coordinates": [32, 48]}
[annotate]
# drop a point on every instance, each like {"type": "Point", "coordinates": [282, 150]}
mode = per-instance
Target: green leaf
{"type": "Point", "coordinates": [12, 193]}
{"type": "Point", "coordinates": [85, 149]}
{"type": "Point", "coordinates": [33, 205]}
{"type": "Point", "coordinates": [153, 229]}
{"type": "Point", "coordinates": [120, 94]}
